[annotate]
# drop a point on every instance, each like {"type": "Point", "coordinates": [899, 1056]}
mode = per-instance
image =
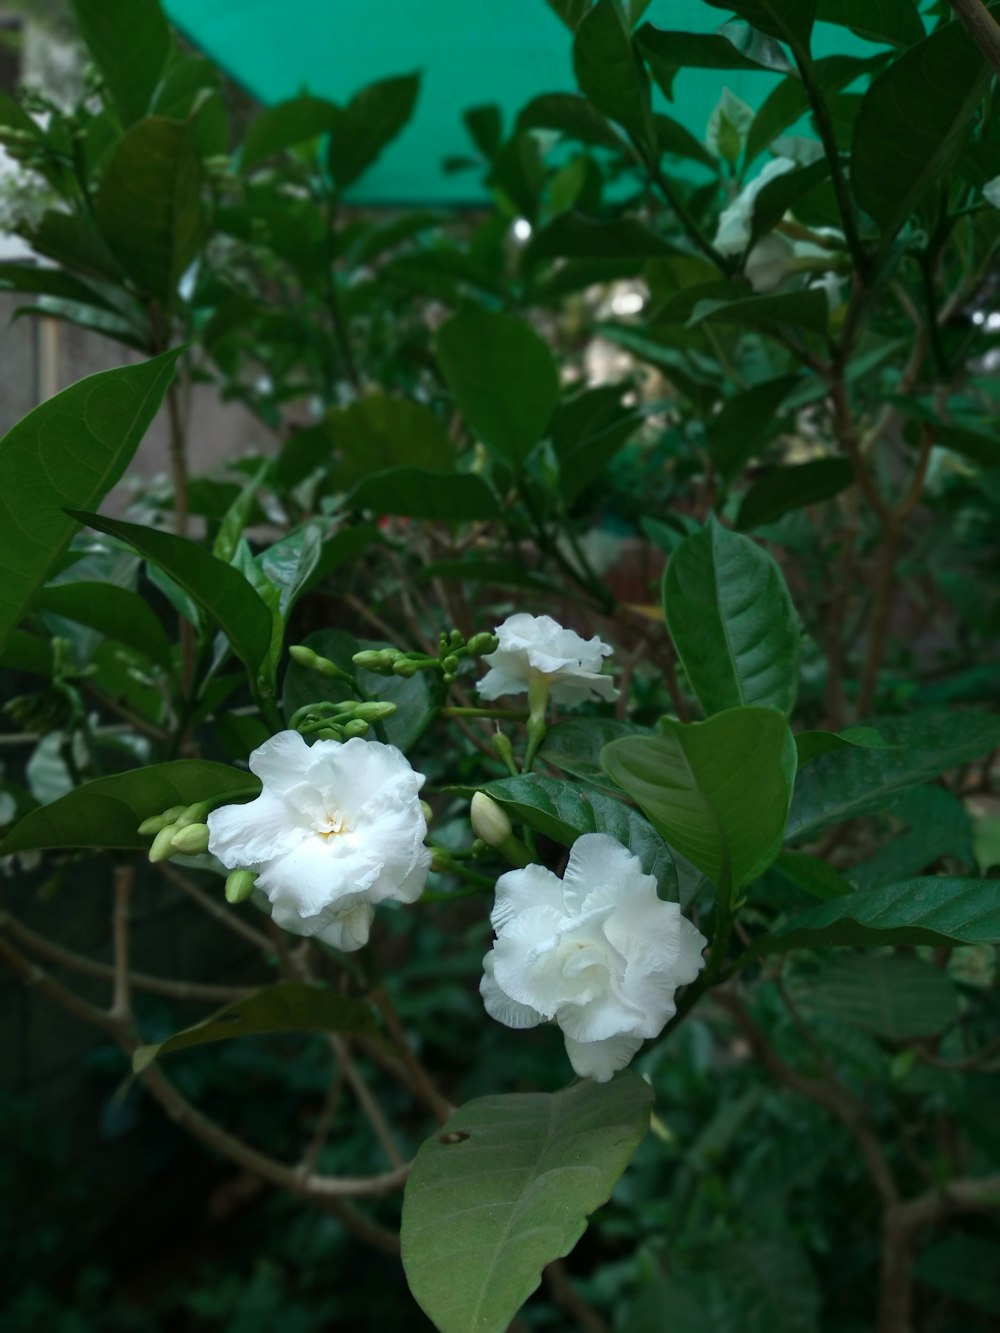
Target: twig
{"type": "Point", "coordinates": [226, 916]}
{"type": "Point", "coordinates": [441, 1108]}
{"type": "Point", "coordinates": [565, 1294]}
{"type": "Point", "coordinates": [981, 27]}
{"type": "Point", "coordinates": [121, 1000]}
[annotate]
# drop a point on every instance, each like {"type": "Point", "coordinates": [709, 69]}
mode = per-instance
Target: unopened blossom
{"type": "Point", "coordinates": [537, 650]}
{"type": "Point", "coordinates": [337, 828]}
{"type": "Point", "coordinates": [596, 952]}
{"type": "Point", "coordinates": [736, 221]}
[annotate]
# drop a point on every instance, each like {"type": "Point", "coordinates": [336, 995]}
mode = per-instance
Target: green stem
{"type": "Point", "coordinates": [507, 714]}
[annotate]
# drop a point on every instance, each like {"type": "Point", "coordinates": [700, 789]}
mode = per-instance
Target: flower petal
{"type": "Point", "coordinates": [247, 835]}
{"type": "Point", "coordinates": [520, 890]}
{"type": "Point", "coordinates": [318, 873]}
{"type": "Point", "coordinates": [349, 930]}
{"type": "Point", "coordinates": [500, 1006]}
{"type": "Point", "coordinates": [282, 761]}
{"type": "Point", "coordinates": [600, 870]}
{"type": "Point", "coordinates": [600, 1060]}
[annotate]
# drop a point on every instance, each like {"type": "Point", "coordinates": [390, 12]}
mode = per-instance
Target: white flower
{"type": "Point", "coordinates": [736, 221]}
{"type": "Point", "coordinates": [537, 648]}
{"type": "Point", "coordinates": [337, 828]}
{"type": "Point", "coordinates": [597, 951]}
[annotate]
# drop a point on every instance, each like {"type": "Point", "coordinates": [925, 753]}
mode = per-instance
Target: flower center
{"type": "Point", "coordinates": [332, 825]}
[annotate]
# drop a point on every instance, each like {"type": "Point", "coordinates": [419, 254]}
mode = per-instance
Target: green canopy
{"type": "Point", "coordinates": [469, 54]}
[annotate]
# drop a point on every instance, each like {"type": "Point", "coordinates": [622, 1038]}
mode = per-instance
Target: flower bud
{"type": "Point", "coordinates": [481, 644]}
{"type": "Point", "coordinates": [404, 666]}
{"type": "Point", "coordinates": [450, 665]}
{"type": "Point", "coordinates": [379, 660]}
{"type": "Point", "coordinates": [151, 826]}
{"type": "Point", "coordinates": [163, 844]}
{"type": "Point", "coordinates": [503, 750]}
{"type": "Point", "coordinates": [193, 814]}
{"type": "Point", "coordinates": [239, 885]}
{"type": "Point", "coordinates": [356, 728]}
{"type": "Point", "coordinates": [489, 820]}
{"type": "Point", "coordinates": [373, 712]}
{"type": "Point", "coordinates": [428, 813]}
{"type": "Point", "coordinates": [303, 656]}
{"type": "Point", "coordinates": [191, 840]}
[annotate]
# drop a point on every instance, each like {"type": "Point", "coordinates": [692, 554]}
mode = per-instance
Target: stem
{"type": "Point", "coordinates": [226, 916]}
{"type": "Point", "coordinates": [423, 1084]}
{"type": "Point", "coordinates": [981, 27]}
{"type": "Point", "coordinates": [121, 1002]}
{"type": "Point", "coordinates": [666, 188]}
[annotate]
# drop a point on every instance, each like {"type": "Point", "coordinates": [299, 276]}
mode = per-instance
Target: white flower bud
{"type": "Point", "coordinates": [489, 820]}
{"type": "Point", "coordinates": [191, 840]}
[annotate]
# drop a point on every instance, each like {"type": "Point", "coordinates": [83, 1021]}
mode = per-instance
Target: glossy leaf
{"type": "Point", "coordinates": [505, 1187]}
{"type": "Point", "coordinates": [718, 791]}
{"type": "Point", "coordinates": [286, 1007]}
{"type": "Point", "coordinates": [788, 20]}
{"type": "Point", "coordinates": [856, 780]}
{"type": "Point", "coordinates": [286, 126]}
{"type": "Point", "coordinates": [575, 745]}
{"type": "Point", "coordinates": [817, 877]}
{"type": "Point", "coordinates": [897, 997]}
{"type": "Point", "coordinates": [732, 621]}
{"type": "Point", "coordinates": [809, 744]}
{"type": "Point", "coordinates": [215, 586]}
{"type": "Point", "coordinates": [806, 309]}
{"type": "Point", "coordinates": [483, 356]}
{"type": "Point", "coordinates": [609, 71]}
{"type": "Point", "coordinates": [913, 123]}
{"type": "Point", "coordinates": [129, 42]}
{"type": "Point", "coordinates": [149, 205]}
{"type": "Point", "coordinates": [68, 452]}
{"type": "Point", "coordinates": [789, 488]}
{"type": "Point", "coordinates": [937, 824]}
{"type": "Point", "coordinates": [893, 22]}
{"type": "Point", "coordinates": [118, 613]}
{"type": "Point", "coordinates": [441, 497]}
{"type": "Point", "coordinates": [564, 811]}
{"type": "Point", "coordinates": [670, 51]}
{"type": "Point", "coordinates": [371, 119]}
{"type": "Point", "coordinates": [108, 811]}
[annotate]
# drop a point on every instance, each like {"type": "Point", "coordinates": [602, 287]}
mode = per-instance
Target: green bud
{"type": "Point", "coordinates": [192, 840]}
{"type": "Point", "coordinates": [239, 885]}
{"type": "Point", "coordinates": [379, 660]}
{"type": "Point", "coordinates": [480, 644]}
{"type": "Point", "coordinates": [428, 813]}
{"type": "Point", "coordinates": [404, 666]}
{"type": "Point", "coordinates": [450, 665]}
{"type": "Point", "coordinates": [356, 728]}
{"type": "Point", "coordinates": [151, 826]}
{"type": "Point", "coordinates": [456, 639]}
{"type": "Point", "coordinates": [303, 656]}
{"type": "Point", "coordinates": [193, 814]}
{"type": "Point", "coordinates": [489, 820]}
{"type": "Point", "coordinates": [504, 751]}
{"type": "Point", "coordinates": [163, 844]}
{"type": "Point", "coordinates": [173, 813]}
{"type": "Point", "coordinates": [374, 712]}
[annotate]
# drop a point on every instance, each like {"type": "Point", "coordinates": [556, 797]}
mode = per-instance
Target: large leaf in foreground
{"type": "Point", "coordinates": [67, 453]}
{"type": "Point", "coordinates": [564, 811]}
{"type": "Point", "coordinates": [927, 910]}
{"type": "Point", "coordinates": [118, 613]}
{"type": "Point", "coordinates": [717, 790]}
{"type": "Point", "coordinates": [506, 1187]}
{"type": "Point", "coordinates": [856, 780]}
{"type": "Point", "coordinates": [292, 1007]}
{"type": "Point", "coordinates": [218, 588]}
{"type": "Point", "coordinates": [108, 811]}
{"type": "Point", "coordinates": [732, 621]}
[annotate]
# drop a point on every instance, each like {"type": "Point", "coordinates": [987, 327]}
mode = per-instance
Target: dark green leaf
{"type": "Point", "coordinates": [668, 52]}
{"type": "Point", "coordinates": [575, 236]}
{"type": "Point", "coordinates": [115, 612]}
{"type": "Point", "coordinates": [570, 11]}
{"type": "Point", "coordinates": [485, 126]}
{"type": "Point", "coordinates": [571, 115]}
{"type": "Point", "coordinates": [286, 126]}
{"type": "Point", "coordinates": [378, 432]}
{"type": "Point", "coordinates": [129, 41]}
{"type": "Point", "coordinates": [732, 621]}
{"type": "Point", "coordinates": [108, 811]}
{"type": "Point", "coordinates": [964, 1267]}
{"type": "Point", "coordinates": [789, 488]}
{"type": "Point", "coordinates": [897, 997]}
{"type": "Point", "coordinates": [672, 137]}
{"type": "Point", "coordinates": [854, 781]}
{"type": "Point", "coordinates": [372, 118]}
{"type": "Point", "coordinates": [745, 422]}
{"type": "Point", "coordinates": [483, 356]}
{"type": "Point", "coordinates": [216, 587]}
{"type": "Point", "coordinates": [789, 20]}
{"type": "Point", "coordinates": [50, 282]}
{"type": "Point", "coordinates": [70, 451]}
{"type": "Point", "coordinates": [893, 22]}
{"type": "Point", "coordinates": [937, 825]}
{"type": "Point", "coordinates": [718, 791]}
{"type": "Point", "coordinates": [441, 497]}
{"type": "Point", "coordinates": [807, 309]}
{"type": "Point", "coordinates": [287, 1007]}
{"type": "Point", "coordinates": [149, 205]}
{"type": "Point", "coordinates": [913, 122]}
{"type": "Point", "coordinates": [810, 873]}
{"type": "Point", "coordinates": [505, 1187]}
{"type": "Point", "coordinates": [809, 744]}
{"type": "Point", "coordinates": [609, 71]}
{"type": "Point", "coordinates": [564, 811]}
{"type": "Point", "coordinates": [575, 746]}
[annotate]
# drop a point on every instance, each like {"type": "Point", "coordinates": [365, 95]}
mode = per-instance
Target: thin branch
{"type": "Point", "coordinates": [981, 27]}
{"type": "Point", "coordinates": [565, 1294]}
{"type": "Point", "coordinates": [225, 915]}
{"type": "Point", "coordinates": [422, 1081]}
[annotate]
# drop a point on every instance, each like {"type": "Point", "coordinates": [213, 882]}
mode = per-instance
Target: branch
{"type": "Point", "coordinates": [225, 915]}
{"type": "Point", "coordinates": [981, 27]}
{"type": "Point", "coordinates": [121, 999]}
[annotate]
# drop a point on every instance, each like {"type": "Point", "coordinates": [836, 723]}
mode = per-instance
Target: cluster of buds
{"type": "Point", "coordinates": [181, 829]}
{"type": "Point", "coordinates": [452, 648]}
{"type": "Point", "coordinates": [48, 710]}
{"type": "Point", "coordinates": [340, 721]}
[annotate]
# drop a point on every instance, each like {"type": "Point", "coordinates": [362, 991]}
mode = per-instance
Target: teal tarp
{"type": "Point", "coordinates": [469, 54]}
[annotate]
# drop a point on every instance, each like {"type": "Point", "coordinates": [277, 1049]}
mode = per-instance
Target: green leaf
{"type": "Point", "coordinates": [108, 811]}
{"type": "Point", "coordinates": [286, 126]}
{"type": "Point", "coordinates": [216, 587]}
{"type": "Point", "coordinates": [718, 791]}
{"type": "Point", "coordinates": [892, 22]}
{"type": "Point", "coordinates": [571, 115]}
{"type": "Point", "coordinates": [810, 873]}
{"type": "Point", "coordinates": [913, 123]}
{"type": "Point", "coordinates": [576, 236]}
{"type": "Point", "coordinates": [118, 613]}
{"type": "Point", "coordinates": [856, 780]}
{"type": "Point", "coordinates": [789, 20]}
{"type": "Point", "coordinates": [789, 488]}
{"type": "Point", "coordinates": [781, 194]}
{"type": "Point", "coordinates": [587, 431]}
{"type": "Point", "coordinates": [937, 825]}
{"type": "Point", "coordinates": [69, 451]}
{"type": "Point", "coordinates": [609, 71]}
{"type": "Point", "coordinates": [484, 356]}
{"type": "Point", "coordinates": [378, 432]}
{"type": "Point", "coordinates": [668, 52]}
{"type": "Point", "coordinates": [897, 997]}
{"type": "Point", "coordinates": [505, 1187]}
{"type": "Point", "coordinates": [372, 118]}
{"type": "Point", "coordinates": [149, 205]}
{"type": "Point", "coordinates": [129, 41]}
{"type": "Point", "coordinates": [564, 811]}
{"type": "Point", "coordinates": [806, 309]}
{"type": "Point", "coordinates": [746, 421]}
{"type": "Point", "coordinates": [575, 746]}
{"type": "Point", "coordinates": [50, 282]}
{"type": "Point", "coordinates": [286, 1007]}
{"type": "Point", "coordinates": [809, 744]}
{"type": "Point", "coordinates": [441, 497]}
{"type": "Point", "coordinates": [732, 621]}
